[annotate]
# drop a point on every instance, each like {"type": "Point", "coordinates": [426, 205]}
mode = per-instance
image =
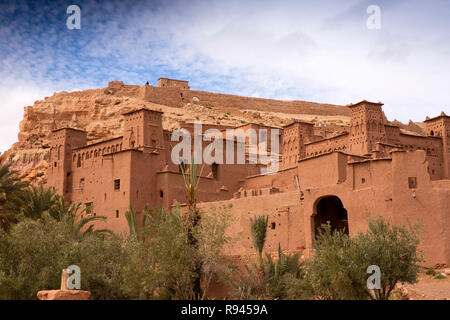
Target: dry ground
{"type": "Point", "coordinates": [429, 288]}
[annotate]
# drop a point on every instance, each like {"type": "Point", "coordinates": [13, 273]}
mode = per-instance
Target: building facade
{"type": "Point", "coordinates": [371, 169]}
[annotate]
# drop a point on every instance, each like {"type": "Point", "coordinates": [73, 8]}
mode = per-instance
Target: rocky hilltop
{"type": "Point", "coordinates": [98, 111]}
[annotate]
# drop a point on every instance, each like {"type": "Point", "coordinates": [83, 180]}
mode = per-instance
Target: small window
{"type": "Point", "coordinates": [363, 180]}
{"type": "Point", "coordinates": [88, 206]}
{"type": "Point", "coordinates": [117, 213]}
{"type": "Point", "coordinates": [161, 193]}
{"type": "Point", "coordinates": [273, 225]}
{"type": "Point", "coordinates": [215, 170]}
{"type": "Point", "coordinates": [55, 164]}
{"type": "Point", "coordinates": [412, 182]}
{"type": "Point", "coordinates": [117, 184]}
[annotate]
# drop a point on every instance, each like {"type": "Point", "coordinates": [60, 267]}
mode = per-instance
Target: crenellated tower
{"type": "Point", "coordinates": [293, 142]}
{"type": "Point", "coordinates": [366, 127]}
{"type": "Point", "coordinates": [62, 142]}
{"type": "Point", "coordinates": [440, 127]}
{"type": "Point", "coordinates": [143, 130]}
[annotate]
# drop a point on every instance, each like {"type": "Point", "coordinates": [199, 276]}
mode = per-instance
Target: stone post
{"type": "Point", "coordinates": [64, 293]}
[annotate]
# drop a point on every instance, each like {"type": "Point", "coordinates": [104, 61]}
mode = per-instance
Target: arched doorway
{"type": "Point", "coordinates": [330, 208]}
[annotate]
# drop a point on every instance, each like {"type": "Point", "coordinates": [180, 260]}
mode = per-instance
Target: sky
{"type": "Point", "coordinates": [321, 51]}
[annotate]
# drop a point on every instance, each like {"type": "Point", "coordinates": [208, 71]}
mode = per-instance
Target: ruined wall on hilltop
{"type": "Point", "coordinates": [99, 112]}
{"type": "Point", "coordinates": [267, 105]}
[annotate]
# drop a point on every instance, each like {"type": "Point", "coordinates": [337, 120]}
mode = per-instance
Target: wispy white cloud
{"type": "Point", "coordinates": [310, 50]}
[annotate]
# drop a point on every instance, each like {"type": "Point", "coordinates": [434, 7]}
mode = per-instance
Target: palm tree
{"type": "Point", "coordinates": [139, 233]}
{"type": "Point", "coordinates": [11, 187]}
{"type": "Point", "coordinates": [258, 228]}
{"type": "Point", "coordinates": [191, 179]}
{"type": "Point", "coordinates": [37, 200]}
{"type": "Point", "coordinates": [72, 215]}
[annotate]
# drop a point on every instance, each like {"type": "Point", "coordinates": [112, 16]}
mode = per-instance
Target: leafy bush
{"type": "Point", "coordinates": [440, 276]}
{"type": "Point", "coordinates": [33, 254]}
{"type": "Point", "coordinates": [338, 268]}
{"type": "Point", "coordinates": [11, 189]}
{"type": "Point", "coordinates": [430, 272]}
{"type": "Point", "coordinates": [34, 201]}
{"type": "Point", "coordinates": [273, 279]}
{"type": "Point", "coordinates": [172, 260]}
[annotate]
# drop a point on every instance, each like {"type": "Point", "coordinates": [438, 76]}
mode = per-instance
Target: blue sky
{"type": "Point", "coordinates": [307, 50]}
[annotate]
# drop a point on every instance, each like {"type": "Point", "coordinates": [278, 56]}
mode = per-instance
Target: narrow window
{"type": "Point", "coordinates": [215, 170]}
{"type": "Point", "coordinates": [88, 206]}
{"type": "Point", "coordinates": [412, 182]}
{"type": "Point", "coordinates": [117, 184]}
{"type": "Point", "coordinates": [161, 193]}
{"type": "Point", "coordinates": [117, 213]}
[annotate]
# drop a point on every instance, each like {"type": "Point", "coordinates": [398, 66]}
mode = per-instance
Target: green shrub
{"type": "Point", "coordinates": [170, 258]}
{"type": "Point", "coordinates": [338, 268]}
{"type": "Point", "coordinates": [11, 189]}
{"type": "Point", "coordinates": [33, 254]}
{"type": "Point", "coordinates": [278, 278]}
{"type": "Point", "coordinates": [430, 272]}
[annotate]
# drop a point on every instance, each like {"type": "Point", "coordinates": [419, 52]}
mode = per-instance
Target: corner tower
{"type": "Point", "coordinates": [62, 142]}
{"type": "Point", "coordinates": [143, 130]}
{"type": "Point", "coordinates": [294, 137]}
{"type": "Point", "coordinates": [440, 127]}
{"type": "Point", "coordinates": [366, 127]}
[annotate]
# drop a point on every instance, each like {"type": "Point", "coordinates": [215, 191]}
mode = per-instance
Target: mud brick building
{"type": "Point", "coordinates": [372, 167]}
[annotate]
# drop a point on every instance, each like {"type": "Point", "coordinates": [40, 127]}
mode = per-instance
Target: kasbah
{"type": "Point", "coordinates": [372, 168]}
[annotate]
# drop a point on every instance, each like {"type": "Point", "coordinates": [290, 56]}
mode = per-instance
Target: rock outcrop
{"type": "Point", "coordinates": [98, 111]}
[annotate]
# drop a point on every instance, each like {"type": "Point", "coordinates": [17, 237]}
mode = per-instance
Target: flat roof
{"type": "Point", "coordinates": [419, 136]}
{"type": "Point", "coordinates": [391, 125]}
{"type": "Point", "coordinates": [173, 79]}
{"type": "Point", "coordinates": [298, 121]}
{"type": "Point", "coordinates": [67, 128]}
{"type": "Point", "coordinates": [141, 109]}
{"type": "Point", "coordinates": [255, 124]}
{"type": "Point", "coordinates": [99, 142]}
{"type": "Point", "coordinates": [364, 101]}
{"type": "Point", "coordinates": [442, 115]}
{"type": "Point", "coordinates": [328, 153]}
{"type": "Point", "coordinates": [368, 160]}
{"type": "Point", "coordinates": [329, 138]}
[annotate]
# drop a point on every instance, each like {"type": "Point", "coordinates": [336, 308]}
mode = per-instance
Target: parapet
{"type": "Point", "coordinates": [115, 84]}
{"type": "Point", "coordinates": [165, 82]}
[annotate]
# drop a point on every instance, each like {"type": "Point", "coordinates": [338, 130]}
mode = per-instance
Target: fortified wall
{"type": "Point", "coordinates": [371, 168]}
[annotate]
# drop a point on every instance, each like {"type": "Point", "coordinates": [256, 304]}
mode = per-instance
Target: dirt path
{"type": "Point", "coordinates": [429, 288]}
